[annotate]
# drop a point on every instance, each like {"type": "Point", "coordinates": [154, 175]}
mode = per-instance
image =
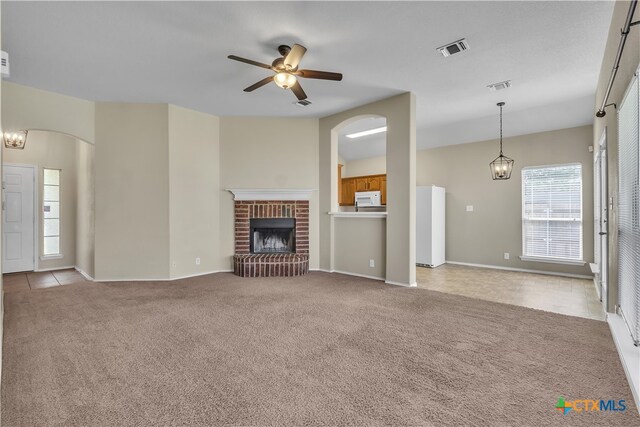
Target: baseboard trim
{"type": "Point", "coordinates": [84, 273]}
{"type": "Point", "coordinates": [521, 270]}
{"type": "Point", "coordinates": [40, 270]}
{"type": "Point", "coordinates": [411, 285]}
{"type": "Point", "coordinates": [628, 353]}
{"type": "Point", "coordinates": [357, 275]}
{"type": "Point", "coordinates": [164, 279]}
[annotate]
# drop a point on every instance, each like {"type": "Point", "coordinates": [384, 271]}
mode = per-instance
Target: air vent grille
{"type": "Point", "coordinates": [303, 102]}
{"type": "Point", "coordinates": [494, 87]}
{"type": "Point", "coordinates": [453, 48]}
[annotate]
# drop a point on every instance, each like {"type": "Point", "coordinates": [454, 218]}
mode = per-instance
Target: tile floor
{"type": "Point", "coordinates": [17, 282]}
{"type": "Point", "coordinates": [574, 297]}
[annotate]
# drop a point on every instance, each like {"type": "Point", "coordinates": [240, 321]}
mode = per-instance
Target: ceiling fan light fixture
{"type": "Point", "coordinates": [285, 80]}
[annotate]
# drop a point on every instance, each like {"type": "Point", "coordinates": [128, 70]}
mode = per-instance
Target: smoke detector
{"type": "Point", "coordinates": [4, 64]}
{"type": "Point", "coordinates": [303, 102]}
{"type": "Point", "coordinates": [453, 48]}
{"type": "Point", "coordinates": [494, 87]}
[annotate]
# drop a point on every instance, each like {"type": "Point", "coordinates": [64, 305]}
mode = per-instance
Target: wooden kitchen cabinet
{"type": "Point", "coordinates": [352, 185]}
{"type": "Point", "coordinates": [374, 183]}
{"type": "Point", "coordinates": [383, 190]}
{"type": "Point", "coordinates": [348, 192]}
{"type": "Point", "coordinates": [361, 184]}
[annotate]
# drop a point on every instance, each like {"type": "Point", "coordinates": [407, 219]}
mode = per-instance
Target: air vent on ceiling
{"type": "Point", "coordinates": [4, 64]}
{"type": "Point", "coordinates": [493, 87]}
{"type": "Point", "coordinates": [453, 48]}
{"type": "Point", "coordinates": [303, 102]}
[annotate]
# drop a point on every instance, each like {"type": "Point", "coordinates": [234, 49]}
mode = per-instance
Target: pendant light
{"type": "Point", "coordinates": [502, 165]}
{"type": "Point", "coordinates": [15, 140]}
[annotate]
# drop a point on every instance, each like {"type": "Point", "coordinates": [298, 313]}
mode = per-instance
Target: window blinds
{"type": "Point", "coordinates": [629, 209]}
{"type": "Point", "coordinates": [552, 212]}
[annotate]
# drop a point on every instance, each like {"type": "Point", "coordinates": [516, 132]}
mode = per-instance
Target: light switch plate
{"type": "Point", "coordinates": [469, 208]}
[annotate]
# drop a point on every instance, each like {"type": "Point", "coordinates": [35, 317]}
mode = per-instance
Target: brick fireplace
{"type": "Point", "coordinates": [271, 236]}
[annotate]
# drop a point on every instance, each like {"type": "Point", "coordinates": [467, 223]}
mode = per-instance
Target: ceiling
{"type": "Point", "coordinates": [175, 52]}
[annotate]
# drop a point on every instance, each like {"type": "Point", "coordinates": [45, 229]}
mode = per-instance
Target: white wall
{"type": "Point", "coordinates": [132, 191]}
{"type": "Point", "coordinates": [267, 153]}
{"type": "Point", "coordinates": [359, 240]}
{"type": "Point", "coordinates": [85, 208]}
{"type": "Point", "coordinates": [194, 158]}
{"type": "Point", "coordinates": [53, 151]}
{"type": "Point", "coordinates": [368, 166]}
{"type": "Point", "coordinates": [30, 108]}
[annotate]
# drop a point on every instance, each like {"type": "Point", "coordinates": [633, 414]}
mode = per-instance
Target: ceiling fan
{"type": "Point", "coordinates": [287, 72]}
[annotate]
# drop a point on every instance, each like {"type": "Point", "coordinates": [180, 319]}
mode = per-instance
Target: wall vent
{"type": "Point", "coordinates": [494, 87]}
{"type": "Point", "coordinates": [303, 102]}
{"type": "Point", "coordinates": [4, 64]}
{"type": "Point", "coordinates": [453, 48]}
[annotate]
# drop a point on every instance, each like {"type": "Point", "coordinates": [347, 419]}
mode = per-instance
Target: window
{"type": "Point", "coordinates": [552, 213]}
{"type": "Point", "coordinates": [51, 210]}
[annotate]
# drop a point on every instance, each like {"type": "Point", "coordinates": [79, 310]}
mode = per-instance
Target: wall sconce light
{"type": "Point", "coordinates": [502, 166]}
{"type": "Point", "coordinates": [15, 140]}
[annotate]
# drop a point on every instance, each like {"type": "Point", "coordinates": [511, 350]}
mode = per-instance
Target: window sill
{"type": "Point", "coordinates": [552, 260]}
{"type": "Point", "coordinates": [48, 257]}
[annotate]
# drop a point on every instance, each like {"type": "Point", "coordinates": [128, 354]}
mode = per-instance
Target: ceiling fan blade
{"type": "Point", "coordinates": [249, 61]}
{"type": "Point", "coordinates": [295, 55]}
{"type": "Point", "coordinates": [297, 90]}
{"type": "Point", "coordinates": [259, 84]}
{"type": "Point", "coordinates": [324, 75]}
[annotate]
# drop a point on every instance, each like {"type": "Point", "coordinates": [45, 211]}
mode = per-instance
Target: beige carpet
{"type": "Point", "coordinates": [323, 349]}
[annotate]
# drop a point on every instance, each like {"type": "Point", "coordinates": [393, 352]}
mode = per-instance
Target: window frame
{"type": "Point", "coordinates": [59, 254]}
{"type": "Point", "coordinates": [545, 259]}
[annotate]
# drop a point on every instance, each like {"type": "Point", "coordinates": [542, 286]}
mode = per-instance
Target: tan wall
{"type": "Point", "coordinates": [359, 240]}
{"type": "Point", "coordinates": [132, 191]}
{"type": "Point", "coordinates": [35, 109]}
{"type": "Point", "coordinates": [494, 226]}
{"type": "Point", "coordinates": [267, 153]}
{"type": "Point", "coordinates": [194, 154]}
{"type": "Point", "coordinates": [401, 145]}
{"type": "Point", "coordinates": [85, 208]}
{"type": "Point", "coordinates": [369, 166]}
{"type": "Point", "coordinates": [628, 66]}
{"type": "Point", "coordinates": [54, 151]}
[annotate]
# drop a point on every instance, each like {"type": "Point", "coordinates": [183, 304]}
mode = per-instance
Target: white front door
{"type": "Point", "coordinates": [18, 218]}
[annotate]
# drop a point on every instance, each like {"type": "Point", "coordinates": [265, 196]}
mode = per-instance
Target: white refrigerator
{"type": "Point", "coordinates": [430, 210]}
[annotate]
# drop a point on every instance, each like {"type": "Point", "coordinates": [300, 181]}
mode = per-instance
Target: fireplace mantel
{"type": "Point", "coordinates": [270, 193]}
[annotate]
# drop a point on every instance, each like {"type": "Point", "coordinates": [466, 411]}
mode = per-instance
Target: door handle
{"type": "Point", "coordinates": [602, 233]}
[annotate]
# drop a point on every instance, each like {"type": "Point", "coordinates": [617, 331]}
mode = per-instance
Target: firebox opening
{"type": "Point", "coordinates": [272, 235]}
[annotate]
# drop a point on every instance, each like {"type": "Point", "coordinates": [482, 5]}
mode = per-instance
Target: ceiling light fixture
{"type": "Point", "coordinates": [502, 166]}
{"type": "Point", "coordinates": [15, 140]}
{"type": "Point", "coordinates": [367, 132]}
{"type": "Point", "coordinates": [285, 80]}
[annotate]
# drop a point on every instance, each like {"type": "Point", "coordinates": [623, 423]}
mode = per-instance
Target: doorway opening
{"type": "Point", "coordinates": [362, 165]}
{"type": "Point", "coordinates": [49, 209]}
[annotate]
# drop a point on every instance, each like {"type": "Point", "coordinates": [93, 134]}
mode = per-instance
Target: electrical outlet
{"type": "Point", "coordinates": [197, 261]}
{"type": "Point", "coordinates": [506, 255]}
{"type": "Point", "coordinates": [372, 263]}
{"type": "Point", "coordinates": [469, 208]}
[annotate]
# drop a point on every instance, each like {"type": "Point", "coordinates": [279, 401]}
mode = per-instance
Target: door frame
{"type": "Point", "coordinates": [601, 191]}
{"type": "Point", "coordinates": [36, 210]}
